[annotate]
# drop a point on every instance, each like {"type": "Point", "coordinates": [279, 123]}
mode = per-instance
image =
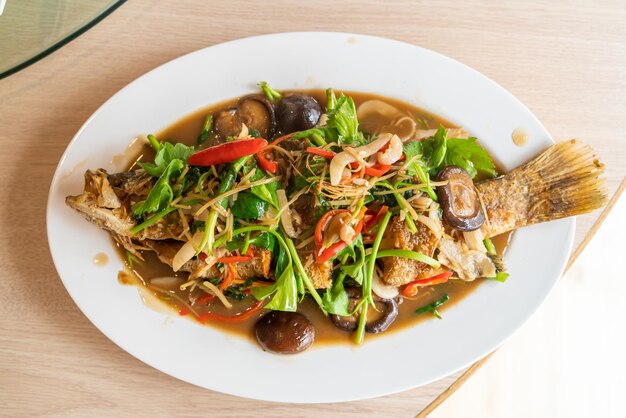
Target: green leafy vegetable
{"type": "Point", "coordinates": [413, 255]}
{"type": "Point", "coordinates": [342, 124]}
{"type": "Point", "coordinates": [161, 194]}
{"type": "Point", "coordinates": [336, 300]}
{"type": "Point", "coordinates": [285, 292]}
{"type": "Point", "coordinates": [226, 183]}
{"type": "Point", "coordinates": [228, 179]}
{"type": "Point", "coordinates": [318, 132]}
{"type": "Point", "coordinates": [196, 225]}
{"type": "Point", "coordinates": [249, 206]}
{"type": "Point", "coordinates": [167, 153]}
{"type": "Point", "coordinates": [132, 259]}
{"type": "Point", "coordinates": [413, 152]}
{"type": "Point", "coordinates": [236, 291]}
{"type": "Point", "coordinates": [366, 287]}
{"type": "Point", "coordinates": [154, 142]}
{"type": "Point", "coordinates": [206, 129]}
{"type": "Point", "coordinates": [356, 251]}
{"type": "Point", "coordinates": [434, 150]}
{"type": "Point", "coordinates": [500, 276]}
{"type": "Point", "coordinates": [439, 151]}
{"type": "Point", "coordinates": [152, 220]}
{"type": "Point", "coordinates": [471, 157]}
{"type": "Point", "coordinates": [302, 273]}
{"type": "Point", "coordinates": [168, 163]}
{"type": "Point", "coordinates": [417, 166]}
{"type": "Point", "coordinates": [432, 307]}
{"type": "Point", "coordinates": [331, 100]}
{"type": "Point", "coordinates": [286, 287]}
{"type": "Point", "coordinates": [491, 249]}
{"type": "Point", "coordinates": [342, 118]}
{"type": "Point", "coordinates": [263, 240]}
{"type": "Point", "coordinates": [266, 192]}
{"type": "Point", "coordinates": [271, 94]}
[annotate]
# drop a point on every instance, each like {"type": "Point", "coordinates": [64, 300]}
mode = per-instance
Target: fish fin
{"type": "Point", "coordinates": [562, 181]}
{"type": "Point", "coordinates": [570, 182]}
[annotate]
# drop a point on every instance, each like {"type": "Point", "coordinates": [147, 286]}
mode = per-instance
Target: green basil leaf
{"type": "Point", "coordinates": [248, 206]}
{"type": "Point", "coordinates": [336, 299]}
{"type": "Point", "coordinates": [161, 193]}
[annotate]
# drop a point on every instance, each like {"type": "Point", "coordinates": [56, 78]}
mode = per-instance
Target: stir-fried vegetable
{"type": "Point", "coordinates": [227, 152]}
{"type": "Point", "coordinates": [271, 94]}
{"type": "Point", "coordinates": [168, 164]}
{"type": "Point", "coordinates": [432, 307]}
{"type": "Point", "coordinates": [412, 288]}
{"type": "Point", "coordinates": [501, 275]}
{"type": "Point", "coordinates": [206, 129]}
{"type": "Point", "coordinates": [312, 214]}
{"type": "Point", "coordinates": [248, 206]}
{"type": "Point", "coordinates": [267, 165]}
{"type": "Point", "coordinates": [367, 280]}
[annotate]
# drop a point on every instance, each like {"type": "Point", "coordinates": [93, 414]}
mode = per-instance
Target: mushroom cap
{"type": "Point", "coordinates": [298, 112]}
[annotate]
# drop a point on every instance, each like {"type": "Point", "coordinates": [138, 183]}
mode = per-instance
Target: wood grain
{"type": "Point", "coordinates": [565, 61]}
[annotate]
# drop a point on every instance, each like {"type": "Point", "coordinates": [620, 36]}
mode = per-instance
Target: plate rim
{"type": "Point", "coordinates": [380, 392]}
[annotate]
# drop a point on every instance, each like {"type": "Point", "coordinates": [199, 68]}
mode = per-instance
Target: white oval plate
{"type": "Point", "coordinates": [211, 359]}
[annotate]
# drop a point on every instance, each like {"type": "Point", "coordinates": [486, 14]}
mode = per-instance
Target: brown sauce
{"type": "Point", "coordinates": [519, 136]}
{"type": "Point", "coordinates": [186, 131]}
{"type": "Point", "coordinates": [100, 259]}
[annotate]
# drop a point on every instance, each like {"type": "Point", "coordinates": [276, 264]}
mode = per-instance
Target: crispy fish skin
{"type": "Point", "coordinates": [562, 181]}
{"type": "Point", "coordinates": [106, 202]}
{"type": "Point", "coordinates": [320, 274]}
{"type": "Point", "coordinates": [399, 270]}
{"type": "Point", "coordinates": [259, 267]}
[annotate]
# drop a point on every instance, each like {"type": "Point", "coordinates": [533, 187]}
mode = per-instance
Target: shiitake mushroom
{"type": "Point", "coordinates": [459, 200]}
{"type": "Point", "coordinates": [284, 332]}
{"type": "Point", "coordinates": [257, 113]}
{"type": "Point", "coordinates": [298, 112]}
{"type": "Point", "coordinates": [254, 110]}
{"type": "Point", "coordinates": [350, 323]}
{"type": "Point", "coordinates": [227, 123]}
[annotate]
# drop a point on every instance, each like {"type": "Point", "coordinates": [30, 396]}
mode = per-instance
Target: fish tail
{"type": "Point", "coordinates": [562, 181]}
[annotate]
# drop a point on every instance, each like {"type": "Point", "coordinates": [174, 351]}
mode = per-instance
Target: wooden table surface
{"type": "Point", "coordinates": [565, 61]}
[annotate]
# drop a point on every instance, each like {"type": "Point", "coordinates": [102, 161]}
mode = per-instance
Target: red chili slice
{"type": "Point", "coordinates": [412, 288]}
{"type": "Point", "coordinates": [321, 224]}
{"type": "Point", "coordinates": [375, 219]}
{"type": "Point", "coordinates": [334, 249]}
{"type": "Point", "coordinates": [321, 152]}
{"type": "Point", "coordinates": [267, 165]}
{"type": "Point", "coordinates": [227, 152]}
{"type": "Point", "coordinates": [235, 259]}
{"type": "Point", "coordinates": [376, 170]}
{"type": "Point", "coordinates": [205, 299]}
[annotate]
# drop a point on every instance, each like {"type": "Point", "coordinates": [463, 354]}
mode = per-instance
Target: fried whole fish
{"type": "Point", "coordinates": [107, 200]}
{"type": "Point", "coordinates": [259, 266]}
{"type": "Point", "coordinates": [562, 181]}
